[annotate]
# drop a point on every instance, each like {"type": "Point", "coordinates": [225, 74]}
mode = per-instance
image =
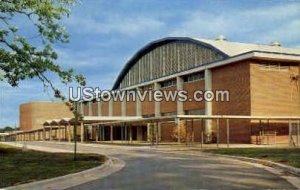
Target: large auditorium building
{"type": "Point", "coordinates": [263, 82]}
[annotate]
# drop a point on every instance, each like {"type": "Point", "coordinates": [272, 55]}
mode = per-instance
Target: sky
{"type": "Point", "coordinates": [105, 34]}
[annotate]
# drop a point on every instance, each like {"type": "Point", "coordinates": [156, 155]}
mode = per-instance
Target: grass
{"type": "Point", "coordinates": [18, 166]}
{"type": "Point", "coordinates": [288, 156]}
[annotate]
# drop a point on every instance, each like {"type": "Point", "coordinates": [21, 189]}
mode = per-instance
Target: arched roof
{"type": "Point", "coordinates": [224, 48]}
{"type": "Point", "coordinates": [160, 42]}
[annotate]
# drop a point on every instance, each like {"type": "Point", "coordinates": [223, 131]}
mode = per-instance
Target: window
{"type": "Point", "coordinates": [168, 114]}
{"type": "Point", "coordinates": [168, 83]}
{"type": "Point", "coordinates": [147, 87]}
{"type": "Point", "coordinates": [194, 77]}
{"type": "Point", "coordinates": [195, 112]}
{"type": "Point", "coordinates": [148, 116]}
{"type": "Point", "coordinates": [274, 66]}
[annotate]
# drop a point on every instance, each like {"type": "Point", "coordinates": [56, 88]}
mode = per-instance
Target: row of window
{"type": "Point", "coordinates": [194, 77]}
{"type": "Point", "coordinates": [186, 112]}
{"type": "Point", "coordinates": [168, 83]}
{"type": "Point", "coordinates": [275, 66]}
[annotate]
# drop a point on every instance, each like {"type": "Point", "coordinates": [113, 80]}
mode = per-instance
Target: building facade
{"type": "Point", "coordinates": [34, 114]}
{"type": "Point", "coordinates": [262, 80]}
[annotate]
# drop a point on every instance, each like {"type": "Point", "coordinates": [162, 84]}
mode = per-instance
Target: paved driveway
{"type": "Point", "coordinates": [150, 168]}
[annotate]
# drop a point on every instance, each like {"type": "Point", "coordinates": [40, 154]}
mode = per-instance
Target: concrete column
{"type": "Point", "coordinates": [81, 131]}
{"type": "Point", "coordinates": [65, 133]}
{"type": "Point", "coordinates": [138, 104]}
{"type": "Point", "coordinates": [99, 108]}
{"type": "Point", "coordinates": [44, 134]}
{"type": "Point", "coordinates": [103, 133]}
{"type": "Point", "coordinates": [156, 103]}
{"type": "Point", "coordinates": [100, 133]}
{"type": "Point", "coordinates": [90, 108]}
{"type": "Point", "coordinates": [111, 133]}
{"type": "Point", "coordinates": [92, 132]}
{"type": "Point", "coordinates": [179, 86]}
{"type": "Point", "coordinates": [130, 134]}
{"type": "Point", "coordinates": [97, 133]}
{"type": "Point", "coordinates": [208, 105]}
{"type": "Point", "coordinates": [123, 108]}
{"type": "Point", "coordinates": [59, 133]}
{"type": "Point", "coordinates": [157, 113]}
{"type": "Point", "coordinates": [69, 132]}
{"type": "Point", "coordinates": [47, 135]}
{"type": "Point", "coordinates": [110, 107]}
{"type": "Point", "coordinates": [126, 132]}
{"type": "Point", "coordinates": [139, 133]}
{"type": "Point", "coordinates": [177, 122]}
{"type": "Point", "coordinates": [148, 131]}
{"type": "Point", "coordinates": [72, 132]}
{"type": "Point", "coordinates": [50, 133]}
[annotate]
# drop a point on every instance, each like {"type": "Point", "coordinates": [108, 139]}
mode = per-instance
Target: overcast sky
{"type": "Point", "coordinates": [105, 34]}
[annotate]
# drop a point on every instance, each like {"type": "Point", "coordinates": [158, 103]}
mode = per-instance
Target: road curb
{"type": "Point", "coordinates": [283, 167]}
{"type": "Point", "coordinates": [110, 166]}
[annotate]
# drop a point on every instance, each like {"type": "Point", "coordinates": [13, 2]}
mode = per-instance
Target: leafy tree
{"type": "Point", "coordinates": [20, 59]}
{"type": "Point", "coordinates": [6, 129]}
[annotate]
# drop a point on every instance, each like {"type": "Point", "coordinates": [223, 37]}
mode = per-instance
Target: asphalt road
{"type": "Point", "coordinates": [148, 168]}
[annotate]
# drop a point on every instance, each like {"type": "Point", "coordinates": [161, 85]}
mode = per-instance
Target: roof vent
{"type": "Point", "coordinates": [221, 38]}
{"type": "Point", "coordinates": [276, 43]}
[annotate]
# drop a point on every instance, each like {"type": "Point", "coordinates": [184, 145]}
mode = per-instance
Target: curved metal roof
{"type": "Point", "coordinates": [153, 45]}
{"type": "Point", "coordinates": [225, 48]}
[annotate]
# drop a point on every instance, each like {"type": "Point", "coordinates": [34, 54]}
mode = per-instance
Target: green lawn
{"type": "Point", "coordinates": [17, 166]}
{"type": "Point", "coordinates": [289, 156]}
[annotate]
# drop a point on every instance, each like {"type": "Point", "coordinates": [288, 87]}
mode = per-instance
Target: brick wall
{"type": "Point", "coordinates": [117, 108]}
{"type": "Point", "coordinates": [168, 106]}
{"type": "Point", "coordinates": [34, 114]}
{"type": "Point", "coordinates": [273, 92]}
{"type": "Point", "coordinates": [191, 87]}
{"type": "Point", "coordinates": [95, 108]}
{"type": "Point", "coordinates": [147, 106]}
{"type": "Point", "coordinates": [104, 108]}
{"type": "Point", "coordinates": [86, 109]}
{"type": "Point", "coordinates": [236, 79]}
{"type": "Point", "coordinates": [131, 108]}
